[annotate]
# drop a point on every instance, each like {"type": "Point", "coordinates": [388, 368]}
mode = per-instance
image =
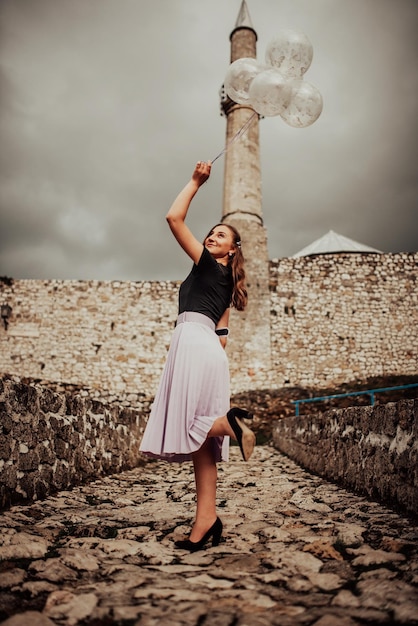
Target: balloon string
{"type": "Point", "coordinates": [237, 135]}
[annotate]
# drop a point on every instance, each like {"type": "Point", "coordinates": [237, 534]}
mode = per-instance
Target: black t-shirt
{"type": "Point", "coordinates": [207, 289]}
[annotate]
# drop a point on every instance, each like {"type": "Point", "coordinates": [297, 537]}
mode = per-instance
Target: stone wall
{"type": "Point", "coordinates": [332, 319]}
{"type": "Point", "coordinates": [371, 450]}
{"type": "Point", "coordinates": [50, 442]}
{"type": "Point", "coordinates": [97, 334]}
{"type": "Point", "coordinates": [343, 317]}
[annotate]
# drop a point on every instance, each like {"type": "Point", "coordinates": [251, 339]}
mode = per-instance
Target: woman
{"type": "Point", "coordinates": [190, 418]}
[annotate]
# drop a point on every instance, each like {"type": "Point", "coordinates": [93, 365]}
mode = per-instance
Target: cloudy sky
{"type": "Point", "coordinates": [106, 105]}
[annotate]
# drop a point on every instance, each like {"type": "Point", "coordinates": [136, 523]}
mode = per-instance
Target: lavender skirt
{"type": "Point", "coordinates": [193, 392]}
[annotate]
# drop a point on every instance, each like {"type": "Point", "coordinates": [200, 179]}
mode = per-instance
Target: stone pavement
{"type": "Point", "coordinates": [296, 551]}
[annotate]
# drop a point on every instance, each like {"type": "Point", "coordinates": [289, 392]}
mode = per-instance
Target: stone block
{"type": "Point", "coordinates": [50, 402]}
{"type": "Point", "coordinates": [46, 454]}
{"type": "Point", "coordinates": [8, 477]}
{"type": "Point", "coordinates": [61, 478]}
{"type": "Point", "coordinates": [5, 419]}
{"type": "Point", "coordinates": [44, 429]}
{"type": "Point", "coordinates": [23, 399]}
{"type": "Point", "coordinates": [5, 447]}
{"type": "Point", "coordinates": [28, 461]}
{"type": "Point", "coordinates": [75, 406]}
{"type": "Point", "coordinates": [408, 416]}
{"type": "Point", "coordinates": [26, 484]}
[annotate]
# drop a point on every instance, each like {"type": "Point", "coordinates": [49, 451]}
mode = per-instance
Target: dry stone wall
{"type": "Point", "coordinates": [371, 450]}
{"type": "Point", "coordinates": [104, 335]}
{"type": "Point", "coordinates": [345, 317]}
{"type": "Point", "coordinates": [50, 441]}
{"type": "Point", "coordinates": [333, 319]}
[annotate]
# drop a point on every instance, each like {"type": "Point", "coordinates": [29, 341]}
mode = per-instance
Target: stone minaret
{"type": "Point", "coordinates": [249, 343]}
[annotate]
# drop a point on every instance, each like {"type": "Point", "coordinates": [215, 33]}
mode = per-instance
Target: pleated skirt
{"type": "Point", "coordinates": [194, 390]}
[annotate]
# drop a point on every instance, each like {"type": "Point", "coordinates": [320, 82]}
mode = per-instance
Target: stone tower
{"type": "Point", "coordinates": [250, 330]}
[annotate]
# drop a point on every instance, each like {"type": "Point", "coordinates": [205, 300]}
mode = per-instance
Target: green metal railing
{"type": "Point", "coordinates": [367, 392]}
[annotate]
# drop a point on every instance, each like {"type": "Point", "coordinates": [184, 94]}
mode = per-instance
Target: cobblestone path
{"type": "Point", "coordinates": [296, 551]}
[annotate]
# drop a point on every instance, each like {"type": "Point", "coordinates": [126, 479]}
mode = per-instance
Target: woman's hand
{"type": "Point", "coordinates": [201, 172]}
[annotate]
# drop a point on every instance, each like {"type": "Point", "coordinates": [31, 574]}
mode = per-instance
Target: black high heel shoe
{"type": "Point", "coordinates": [242, 414]}
{"type": "Point", "coordinates": [215, 531]}
{"type": "Point", "coordinates": [245, 436]}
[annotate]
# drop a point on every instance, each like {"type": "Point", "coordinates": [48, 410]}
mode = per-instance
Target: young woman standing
{"type": "Point", "coordinates": [190, 418]}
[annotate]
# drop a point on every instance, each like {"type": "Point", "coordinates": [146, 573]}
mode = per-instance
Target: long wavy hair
{"type": "Point", "coordinates": [236, 261]}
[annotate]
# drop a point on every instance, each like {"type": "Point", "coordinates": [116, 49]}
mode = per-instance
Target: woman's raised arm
{"type": "Point", "coordinates": [176, 216]}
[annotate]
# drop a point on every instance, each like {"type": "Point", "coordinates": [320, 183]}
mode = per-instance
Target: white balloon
{"type": "Point", "coordinates": [270, 93]}
{"type": "Point", "coordinates": [239, 77]}
{"type": "Point", "coordinates": [291, 52]}
{"type": "Point", "coordinates": [305, 105]}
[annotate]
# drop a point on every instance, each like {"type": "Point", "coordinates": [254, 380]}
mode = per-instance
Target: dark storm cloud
{"type": "Point", "coordinates": [106, 105]}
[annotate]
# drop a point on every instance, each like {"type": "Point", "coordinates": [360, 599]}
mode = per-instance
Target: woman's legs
{"type": "Point", "coordinates": [206, 475]}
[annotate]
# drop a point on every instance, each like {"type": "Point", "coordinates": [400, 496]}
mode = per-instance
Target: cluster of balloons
{"type": "Point", "coordinates": [278, 87]}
